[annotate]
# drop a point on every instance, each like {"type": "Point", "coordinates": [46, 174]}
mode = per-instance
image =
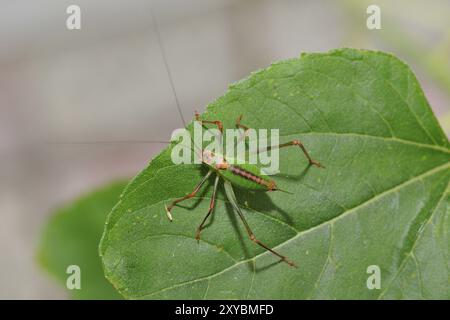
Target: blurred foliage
{"type": "Point", "coordinates": [71, 237]}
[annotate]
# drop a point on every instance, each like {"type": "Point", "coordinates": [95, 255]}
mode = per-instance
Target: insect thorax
{"type": "Point", "coordinates": [213, 159]}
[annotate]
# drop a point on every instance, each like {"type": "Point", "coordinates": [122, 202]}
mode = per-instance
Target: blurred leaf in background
{"type": "Point", "coordinates": [71, 237]}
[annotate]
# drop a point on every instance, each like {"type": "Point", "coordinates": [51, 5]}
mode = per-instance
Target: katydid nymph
{"type": "Point", "coordinates": [247, 176]}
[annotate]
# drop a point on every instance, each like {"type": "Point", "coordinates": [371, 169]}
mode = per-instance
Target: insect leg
{"type": "Point", "coordinates": [215, 122]}
{"type": "Point", "coordinates": [245, 128]}
{"type": "Point", "coordinates": [232, 198]}
{"type": "Point", "coordinates": [211, 208]}
{"type": "Point", "coordinates": [218, 124]}
{"type": "Point", "coordinates": [239, 125]}
{"type": "Point", "coordinates": [294, 143]}
{"type": "Point", "coordinates": [190, 195]}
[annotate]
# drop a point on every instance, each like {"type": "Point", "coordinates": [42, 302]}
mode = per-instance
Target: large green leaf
{"type": "Point", "coordinates": [71, 237]}
{"type": "Point", "coordinates": [382, 199]}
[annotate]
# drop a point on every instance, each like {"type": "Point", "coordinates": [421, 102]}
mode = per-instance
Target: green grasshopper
{"type": "Point", "coordinates": [247, 176]}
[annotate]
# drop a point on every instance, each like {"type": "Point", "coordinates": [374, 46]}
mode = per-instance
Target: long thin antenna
{"type": "Point", "coordinates": [80, 142]}
{"type": "Point", "coordinates": [161, 47]}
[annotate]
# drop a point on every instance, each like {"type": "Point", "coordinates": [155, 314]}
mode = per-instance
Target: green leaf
{"type": "Point", "coordinates": [71, 237]}
{"type": "Point", "coordinates": [382, 200]}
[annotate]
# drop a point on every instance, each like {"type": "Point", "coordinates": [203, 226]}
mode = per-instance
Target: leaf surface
{"type": "Point", "coordinates": [382, 200]}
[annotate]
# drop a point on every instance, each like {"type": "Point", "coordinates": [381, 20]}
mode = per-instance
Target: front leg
{"type": "Point", "coordinates": [215, 122]}
{"type": "Point", "coordinates": [190, 195]}
{"type": "Point", "coordinates": [241, 126]}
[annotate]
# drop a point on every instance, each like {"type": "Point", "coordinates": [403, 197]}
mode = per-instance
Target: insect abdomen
{"type": "Point", "coordinates": [248, 176]}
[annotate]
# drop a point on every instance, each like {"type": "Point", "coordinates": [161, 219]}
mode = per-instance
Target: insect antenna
{"type": "Point", "coordinates": [166, 64]}
{"type": "Point", "coordinates": [169, 75]}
